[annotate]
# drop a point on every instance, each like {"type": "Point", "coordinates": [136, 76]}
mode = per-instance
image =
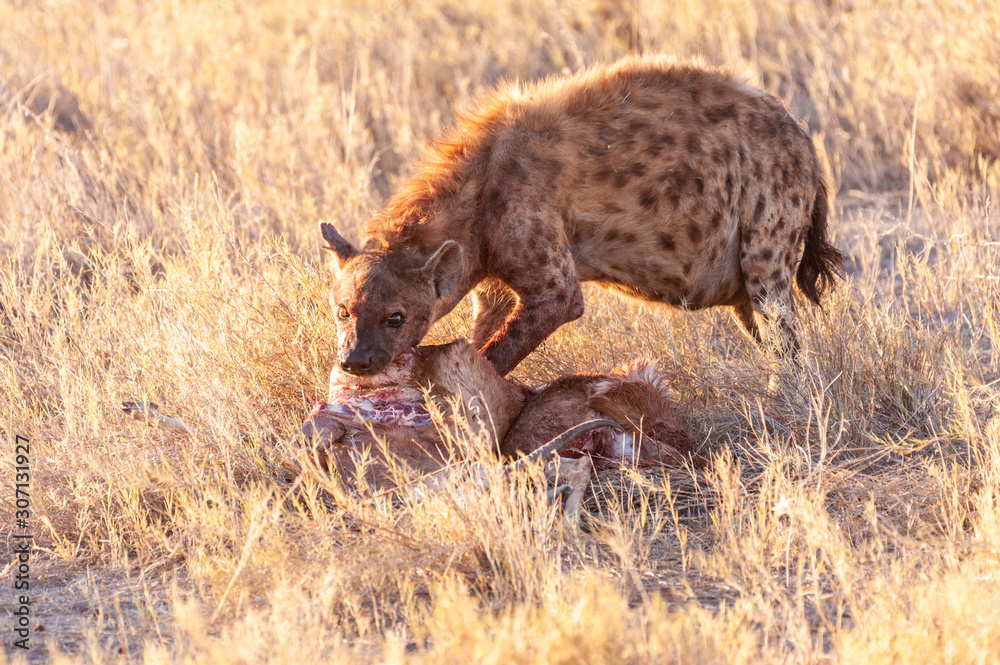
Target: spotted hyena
{"type": "Point", "coordinates": [667, 182]}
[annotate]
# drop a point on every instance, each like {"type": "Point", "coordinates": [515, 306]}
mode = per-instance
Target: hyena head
{"type": "Point", "coordinates": [384, 302]}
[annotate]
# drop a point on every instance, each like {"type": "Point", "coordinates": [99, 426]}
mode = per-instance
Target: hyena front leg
{"type": "Point", "coordinates": [549, 295]}
{"type": "Point", "coordinates": [494, 302]}
{"type": "Point", "coordinates": [768, 259]}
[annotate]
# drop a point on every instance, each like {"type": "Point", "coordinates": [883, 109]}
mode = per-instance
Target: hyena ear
{"type": "Point", "coordinates": [444, 268]}
{"type": "Point", "coordinates": [337, 244]}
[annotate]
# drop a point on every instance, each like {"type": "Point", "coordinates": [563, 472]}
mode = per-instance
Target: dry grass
{"type": "Point", "coordinates": [170, 252]}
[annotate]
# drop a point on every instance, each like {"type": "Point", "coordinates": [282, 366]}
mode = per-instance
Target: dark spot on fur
{"type": "Point", "coordinates": [729, 183]}
{"type": "Point", "coordinates": [511, 172]}
{"type": "Point", "coordinates": [667, 141]}
{"type": "Point", "coordinates": [716, 221]}
{"type": "Point", "coordinates": [612, 236]}
{"type": "Point", "coordinates": [758, 213]}
{"type": "Point", "coordinates": [605, 172]}
{"type": "Point", "coordinates": [552, 167]}
{"type": "Point", "coordinates": [686, 269]}
{"type": "Point", "coordinates": [669, 283]}
{"type": "Point", "coordinates": [666, 242]}
{"type": "Point", "coordinates": [797, 201]}
{"type": "Point", "coordinates": [776, 275]}
{"type": "Point", "coordinates": [637, 169]}
{"type": "Point", "coordinates": [766, 124]}
{"type": "Point", "coordinates": [694, 232]}
{"type": "Point", "coordinates": [765, 254]}
{"type": "Point", "coordinates": [637, 127]}
{"type": "Point", "coordinates": [693, 144]}
{"type": "Point", "coordinates": [648, 198]}
{"type": "Point", "coordinates": [628, 237]}
{"type": "Point", "coordinates": [645, 102]}
{"type": "Point", "coordinates": [493, 203]}
{"type": "Point", "coordinates": [675, 181]}
{"type": "Point", "coordinates": [780, 225]}
{"type": "Point", "coordinates": [561, 298]}
{"type": "Point", "coordinates": [612, 209]}
{"type": "Point", "coordinates": [720, 113]}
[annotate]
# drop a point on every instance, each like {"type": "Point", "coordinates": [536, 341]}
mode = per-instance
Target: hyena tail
{"type": "Point", "coordinates": [821, 261]}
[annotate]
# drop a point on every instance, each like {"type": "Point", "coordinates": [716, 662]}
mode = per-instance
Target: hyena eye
{"type": "Point", "coordinates": [395, 320]}
{"type": "Point", "coordinates": [342, 313]}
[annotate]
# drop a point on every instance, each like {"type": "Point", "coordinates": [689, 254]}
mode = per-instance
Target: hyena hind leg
{"type": "Point", "coordinates": [744, 314]}
{"type": "Point", "coordinates": [779, 303]}
{"type": "Point", "coordinates": [770, 296]}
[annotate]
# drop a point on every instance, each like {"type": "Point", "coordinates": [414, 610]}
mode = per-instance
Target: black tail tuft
{"type": "Point", "coordinates": [821, 261]}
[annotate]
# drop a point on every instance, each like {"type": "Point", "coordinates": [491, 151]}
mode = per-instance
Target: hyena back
{"type": "Point", "coordinates": [669, 183]}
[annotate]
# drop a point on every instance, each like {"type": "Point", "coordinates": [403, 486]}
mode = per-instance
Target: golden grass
{"type": "Point", "coordinates": [850, 515]}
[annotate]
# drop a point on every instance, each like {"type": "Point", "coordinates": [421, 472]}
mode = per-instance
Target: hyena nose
{"type": "Point", "coordinates": [356, 363]}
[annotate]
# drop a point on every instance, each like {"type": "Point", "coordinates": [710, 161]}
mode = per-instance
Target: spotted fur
{"type": "Point", "coordinates": [666, 182]}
